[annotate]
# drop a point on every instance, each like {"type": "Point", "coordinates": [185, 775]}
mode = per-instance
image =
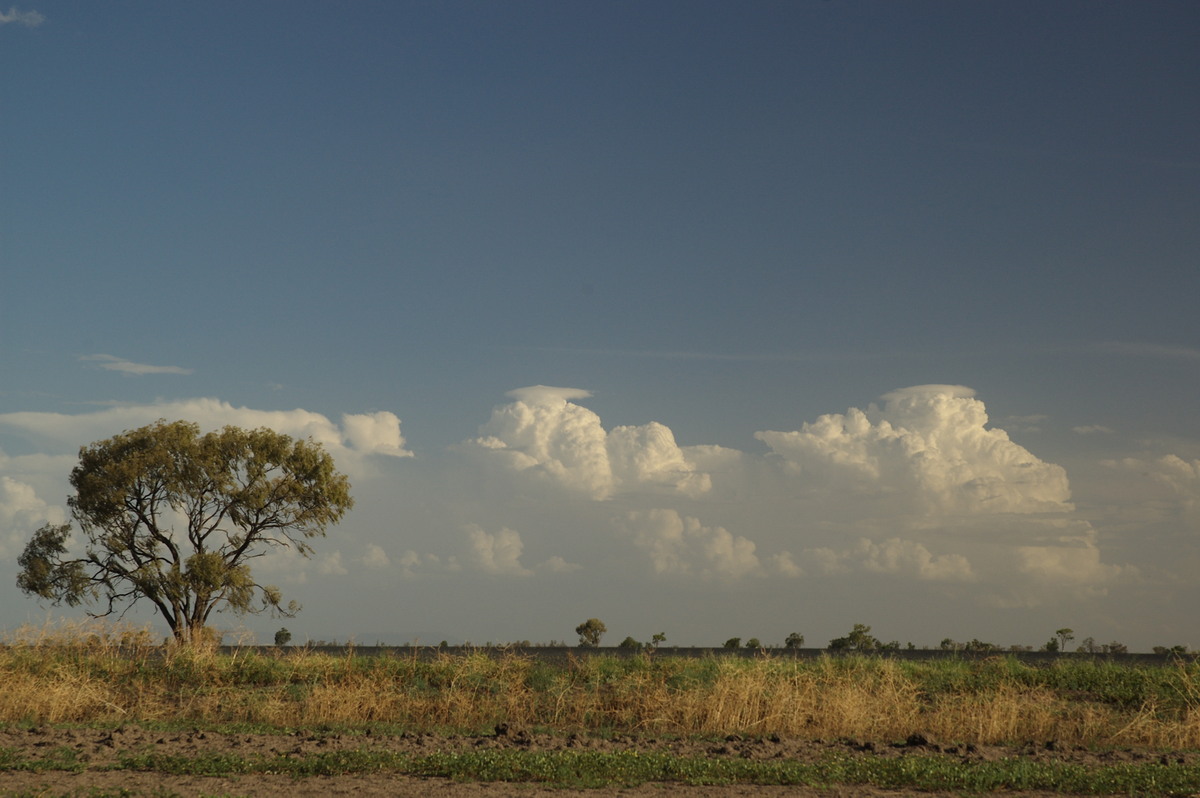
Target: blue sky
{"type": "Point", "coordinates": [720, 230]}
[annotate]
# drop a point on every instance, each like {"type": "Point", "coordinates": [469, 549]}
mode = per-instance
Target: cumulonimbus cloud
{"type": "Point", "coordinates": [546, 436]}
{"type": "Point", "coordinates": [929, 447]}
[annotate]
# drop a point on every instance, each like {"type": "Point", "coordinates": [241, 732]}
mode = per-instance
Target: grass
{"type": "Point", "coordinates": [590, 769]}
{"type": "Point", "coordinates": [119, 678]}
{"type": "Point", "coordinates": [110, 676]}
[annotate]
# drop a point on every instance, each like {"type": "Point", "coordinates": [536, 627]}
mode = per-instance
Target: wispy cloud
{"type": "Point", "coordinates": [1162, 351]}
{"type": "Point", "coordinates": [741, 357]}
{"type": "Point", "coordinates": [30, 19]}
{"type": "Point", "coordinates": [1092, 429]}
{"type": "Point", "coordinates": [111, 363]}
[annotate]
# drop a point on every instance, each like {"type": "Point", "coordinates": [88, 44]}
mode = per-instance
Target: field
{"type": "Point", "coordinates": [108, 714]}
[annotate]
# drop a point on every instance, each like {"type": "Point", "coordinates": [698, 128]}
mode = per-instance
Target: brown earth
{"type": "Point", "coordinates": [97, 748]}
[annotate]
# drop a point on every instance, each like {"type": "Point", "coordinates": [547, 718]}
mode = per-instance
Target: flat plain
{"type": "Point", "coordinates": [112, 715]}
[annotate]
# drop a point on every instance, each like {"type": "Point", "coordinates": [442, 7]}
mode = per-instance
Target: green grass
{"type": "Point", "coordinates": [592, 769]}
{"type": "Point", "coordinates": [58, 759]}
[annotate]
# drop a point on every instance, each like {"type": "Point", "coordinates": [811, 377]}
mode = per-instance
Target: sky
{"type": "Point", "coordinates": [705, 318]}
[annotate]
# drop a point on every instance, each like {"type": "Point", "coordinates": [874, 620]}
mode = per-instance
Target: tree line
{"type": "Point", "coordinates": [860, 639]}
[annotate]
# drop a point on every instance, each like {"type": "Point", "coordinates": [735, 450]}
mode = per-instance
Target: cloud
{"type": "Point", "coordinates": [546, 437]}
{"type": "Point", "coordinates": [29, 19]}
{"type": "Point", "coordinates": [110, 363]}
{"type": "Point", "coordinates": [927, 451]}
{"type": "Point", "coordinates": [331, 564]}
{"type": "Point", "coordinates": [543, 394]}
{"type": "Point", "coordinates": [375, 433]}
{"type": "Point", "coordinates": [1092, 429]}
{"type": "Point", "coordinates": [376, 558]}
{"type": "Point", "coordinates": [22, 512]}
{"type": "Point", "coordinates": [1027, 424]}
{"type": "Point", "coordinates": [1176, 477]}
{"type": "Point", "coordinates": [682, 545]}
{"type": "Point", "coordinates": [557, 565]}
{"type": "Point", "coordinates": [413, 564]}
{"type": "Point", "coordinates": [1072, 563]}
{"type": "Point", "coordinates": [896, 556]}
{"type": "Point", "coordinates": [1157, 351]}
{"type": "Point", "coordinates": [497, 554]}
{"type": "Point", "coordinates": [359, 435]}
{"type": "Point", "coordinates": [785, 565]}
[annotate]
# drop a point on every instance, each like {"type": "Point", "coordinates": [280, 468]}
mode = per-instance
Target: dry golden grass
{"type": "Point", "coordinates": [111, 675]}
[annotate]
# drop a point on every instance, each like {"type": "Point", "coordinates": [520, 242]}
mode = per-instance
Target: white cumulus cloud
{"type": "Point", "coordinates": [498, 553]}
{"type": "Point", "coordinates": [557, 565]}
{"type": "Point", "coordinates": [910, 558]}
{"type": "Point", "coordinates": [546, 436]}
{"type": "Point", "coordinates": [376, 557]}
{"type": "Point", "coordinates": [22, 512]}
{"type": "Point", "coordinates": [375, 433]}
{"type": "Point", "coordinates": [928, 447]}
{"type": "Point", "coordinates": [331, 564]}
{"type": "Point", "coordinates": [682, 545]}
{"type": "Point", "coordinates": [359, 435]}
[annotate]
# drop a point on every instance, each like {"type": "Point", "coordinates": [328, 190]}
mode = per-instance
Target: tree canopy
{"type": "Point", "coordinates": [590, 632]}
{"type": "Point", "coordinates": [172, 517]}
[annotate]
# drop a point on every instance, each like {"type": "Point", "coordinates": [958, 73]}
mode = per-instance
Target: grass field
{"type": "Point", "coordinates": [109, 679]}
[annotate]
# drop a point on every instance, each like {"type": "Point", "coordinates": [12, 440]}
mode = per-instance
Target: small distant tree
{"type": "Point", "coordinates": [733, 642]}
{"type": "Point", "coordinates": [590, 632]}
{"type": "Point", "coordinates": [283, 637]}
{"type": "Point", "coordinates": [1170, 650]}
{"type": "Point", "coordinates": [1051, 645]}
{"type": "Point", "coordinates": [629, 644]}
{"type": "Point", "coordinates": [794, 640]}
{"type": "Point", "coordinates": [753, 643]}
{"type": "Point", "coordinates": [1115, 648]}
{"type": "Point", "coordinates": [1088, 646]}
{"type": "Point", "coordinates": [949, 644]}
{"type": "Point", "coordinates": [978, 645]}
{"type": "Point", "coordinates": [1064, 636]}
{"type": "Point", "coordinates": [657, 640]}
{"type": "Point", "coordinates": [859, 639]}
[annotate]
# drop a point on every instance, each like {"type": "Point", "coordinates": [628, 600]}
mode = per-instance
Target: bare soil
{"type": "Point", "coordinates": [99, 747]}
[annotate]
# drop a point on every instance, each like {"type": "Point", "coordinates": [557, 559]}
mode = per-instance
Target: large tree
{"type": "Point", "coordinates": [173, 517]}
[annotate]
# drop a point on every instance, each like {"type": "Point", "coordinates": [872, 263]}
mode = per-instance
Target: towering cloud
{"type": "Point", "coordinates": [545, 436]}
{"type": "Point", "coordinates": [928, 447]}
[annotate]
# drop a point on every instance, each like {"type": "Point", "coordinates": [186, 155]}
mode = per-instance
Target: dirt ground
{"type": "Point", "coordinates": [97, 748]}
